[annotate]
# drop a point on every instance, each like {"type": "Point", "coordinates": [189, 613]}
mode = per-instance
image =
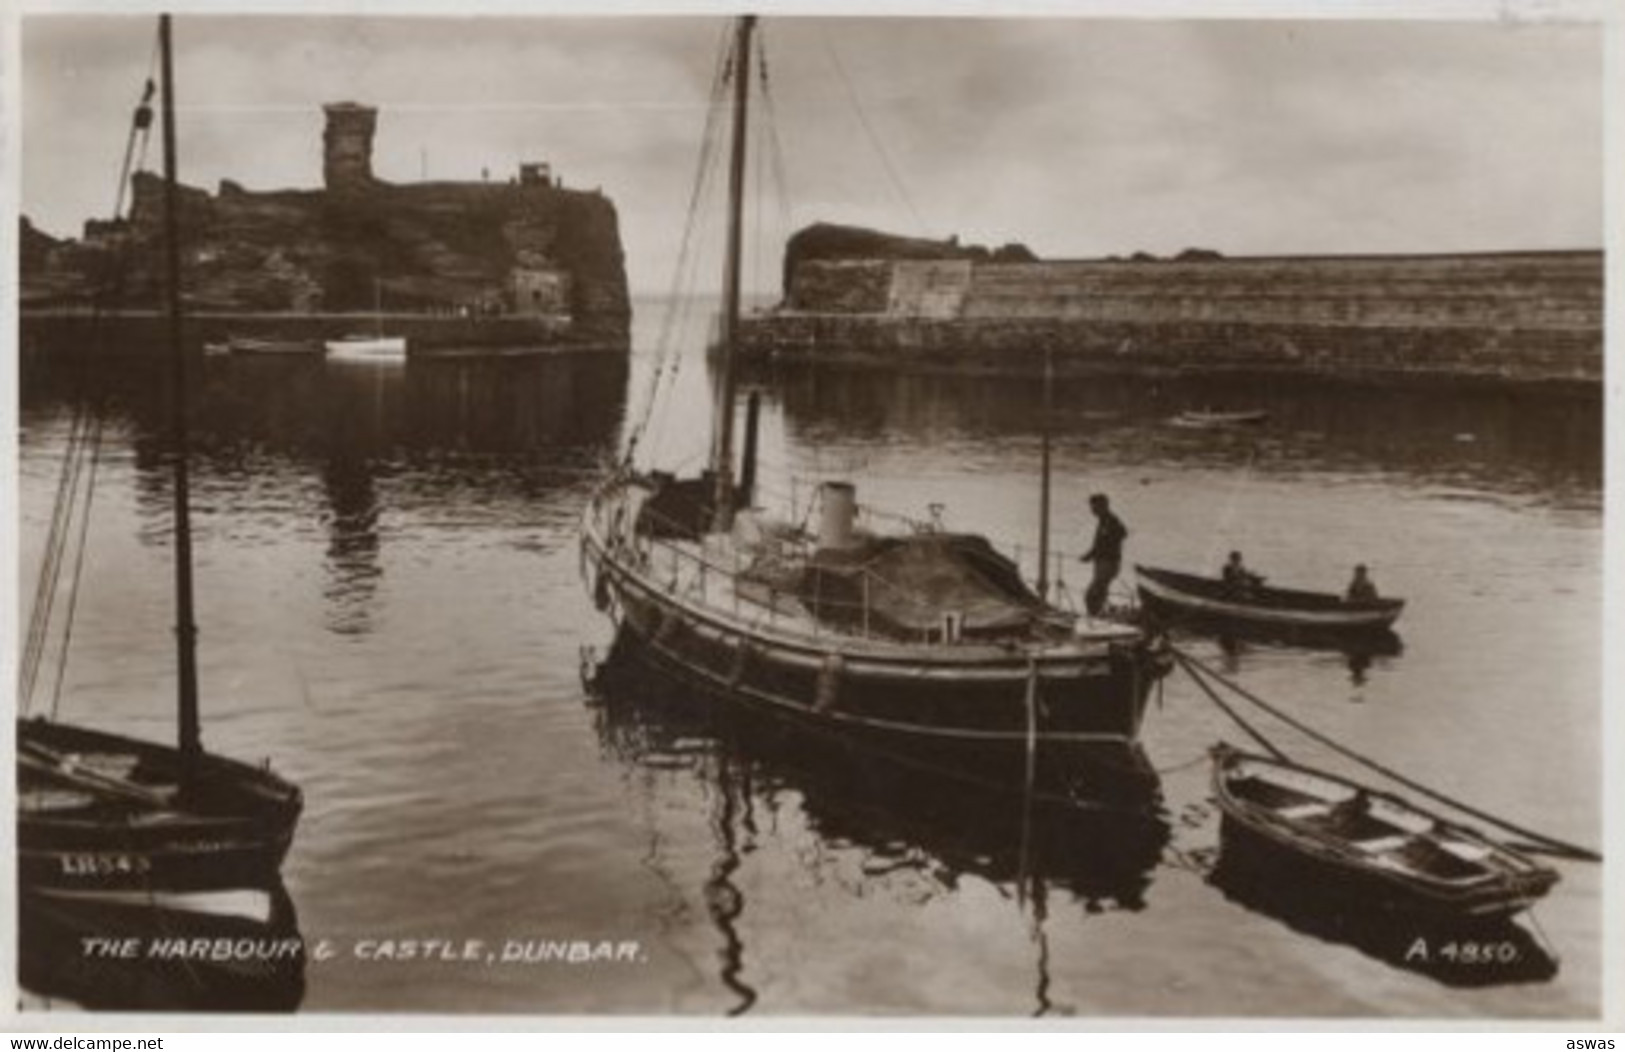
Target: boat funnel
{"type": "Point", "coordinates": [838, 504]}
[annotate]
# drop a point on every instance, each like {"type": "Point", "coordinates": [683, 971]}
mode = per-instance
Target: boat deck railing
{"type": "Point", "coordinates": [727, 576]}
{"type": "Point", "coordinates": [1060, 595]}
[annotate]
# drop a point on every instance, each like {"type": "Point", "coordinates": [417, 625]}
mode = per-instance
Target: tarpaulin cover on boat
{"type": "Point", "coordinates": [913, 586]}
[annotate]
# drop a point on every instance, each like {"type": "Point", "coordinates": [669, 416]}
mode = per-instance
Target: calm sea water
{"type": "Point", "coordinates": [390, 610]}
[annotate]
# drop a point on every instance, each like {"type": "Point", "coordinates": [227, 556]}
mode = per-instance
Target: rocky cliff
{"type": "Point", "coordinates": [446, 248]}
{"type": "Point", "coordinates": [524, 248]}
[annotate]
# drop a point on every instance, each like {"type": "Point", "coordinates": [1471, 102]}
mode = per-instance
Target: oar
{"type": "Point", "coordinates": [62, 766]}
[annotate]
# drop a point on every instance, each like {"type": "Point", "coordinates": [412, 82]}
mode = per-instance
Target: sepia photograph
{"type": "Point", "coordinates": [994, 513]}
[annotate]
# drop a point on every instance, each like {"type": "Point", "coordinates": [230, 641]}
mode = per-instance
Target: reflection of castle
{"type": "Point", "coordinates": [526, 247]}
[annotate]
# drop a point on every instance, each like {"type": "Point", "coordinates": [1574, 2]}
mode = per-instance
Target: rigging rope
{"type": "Point", "coordinates": [758, 178]}
{"type": "Point", "coordinates": [78, 568]}
{"type": "Point", "coordinates": [70, 514]}
{"type": "Point", "coordinates": [1546, 843]}
{"type": "Point", "coordinates": [677, 305]}
{"type": "Point", "coordinates": [140, 127]}
{"type": "Point", "coordinates": [868, 129]}
{"type": "Point", "coordinates": [775, 150]}
{"type": "Point", "coordinates": [45, 588]}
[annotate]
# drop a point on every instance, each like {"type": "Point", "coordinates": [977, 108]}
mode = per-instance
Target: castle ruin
{"type": "Point", "coordinates": [347, 146]}
{"type": "Point", "coordinates": [528, 249]}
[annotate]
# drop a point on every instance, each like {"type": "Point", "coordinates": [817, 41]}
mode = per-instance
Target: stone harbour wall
{"type": "Point", "coordinates": [1527, 315]}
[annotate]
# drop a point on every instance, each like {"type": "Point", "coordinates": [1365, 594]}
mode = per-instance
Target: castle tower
{"type": "Point", "coordinates": [347, 145]}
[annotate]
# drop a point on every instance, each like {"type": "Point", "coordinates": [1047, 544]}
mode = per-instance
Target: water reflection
{"type": "Point", "coordinates": [1463, 954]}
{"type": "Point", "coordinates": [468, 436]}
{"type": "Point", "coordinates": [244, 411]}
{"type": "Point", "coordinates": [1545, 439]}
{"type": "Point", "coordinates": [724, 901]}
{"type": "Point", "coordinates": [238, 951]}
{"type": "Point", "coordinates": [918, 836]}
{"type": "Point", "coordinates": [352, 547]}
{"type": "Point", "coordinates": [1359, 655]}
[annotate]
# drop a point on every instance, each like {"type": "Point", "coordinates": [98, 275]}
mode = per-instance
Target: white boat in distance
{"type": "Point", "coordinates": [368, 348]}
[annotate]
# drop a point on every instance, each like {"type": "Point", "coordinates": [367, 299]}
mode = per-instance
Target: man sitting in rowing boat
{"type": "Point", "coordinates": [1361, 589]}
{"type": "Point", "coordinates": [1238, 580]}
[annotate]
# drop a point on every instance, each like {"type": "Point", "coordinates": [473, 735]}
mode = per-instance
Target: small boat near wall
{"type": "Point", "coordinates": [367, 349]}
{"type": "Point", "coordinates": [1209, 418]}
{"type": "Point", "coordinates": [254, 345]}
{"type": "Point", "coordinates": [370, 347]}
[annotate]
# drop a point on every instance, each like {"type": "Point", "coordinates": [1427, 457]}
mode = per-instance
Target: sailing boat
{"type": "Point", "coordinates": [926, 647]}
{"type": "Point", "coordinates": [100, 813]}
{"type": "Point", "coordinates": [376, 347]}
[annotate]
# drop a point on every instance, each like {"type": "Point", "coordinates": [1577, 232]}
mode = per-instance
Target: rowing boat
{"type": "Point", "coordinates": [1305, 827]}
{"type": "Point", "coordinates": [1262, 611]}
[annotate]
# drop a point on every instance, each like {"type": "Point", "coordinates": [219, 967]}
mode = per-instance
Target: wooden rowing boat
{"type": "Point", "coordinates": [100, 812]}
{"type": "Point", "coordinates": [1262, 611]}
{"type": "Point", "coordinates": [1300, 825]}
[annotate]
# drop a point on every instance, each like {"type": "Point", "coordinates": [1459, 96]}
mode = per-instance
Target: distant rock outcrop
{"type": "Point", "coordinates": [835, 243]}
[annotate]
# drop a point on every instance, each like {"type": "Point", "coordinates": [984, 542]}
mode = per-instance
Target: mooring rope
{"type": "Point", "coordinates": [1252, 732]}
{"type": "Point", "coordinates": [1538, 841]}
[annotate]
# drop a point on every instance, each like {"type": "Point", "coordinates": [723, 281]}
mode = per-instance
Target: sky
{"type": "Point", "coordinates": [1079, 137]}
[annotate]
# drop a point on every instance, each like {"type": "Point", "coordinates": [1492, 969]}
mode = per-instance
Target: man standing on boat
{"type": "Point", "coordinates": [1106, 553]}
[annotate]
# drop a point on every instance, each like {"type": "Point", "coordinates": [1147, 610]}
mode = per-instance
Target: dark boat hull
{"type": "Point", "coordinates": [1251, 852]}
{"type": "Point", "coordinates": [230, 828]}
{"type": "Point", "coordinates": [1202, 604]}
{"type": "Point", "coordinates": [970, 722]}
{"type": "Point", "coordinates": [851, 794]}
{"type": "Point", "coordinates": [170, 957]}
{"type": "Point", "coordinates": [1109, 773]}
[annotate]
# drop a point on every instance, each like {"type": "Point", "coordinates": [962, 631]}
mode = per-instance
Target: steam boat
{"type": "Point", "coordinates": [925, 646]}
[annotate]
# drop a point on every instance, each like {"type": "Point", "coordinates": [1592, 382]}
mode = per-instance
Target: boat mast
{"type": "Point", "coordinates": [722, 452]}
{"type": "Point", "coordinates": [191, 742]}
{"type": "Point", "coordinates": [1043, 492]}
